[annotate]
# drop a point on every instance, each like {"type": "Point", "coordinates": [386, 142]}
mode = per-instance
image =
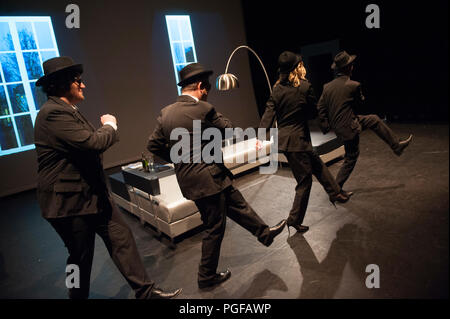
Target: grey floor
{"type": "Point", "coordinates": [397, 219]}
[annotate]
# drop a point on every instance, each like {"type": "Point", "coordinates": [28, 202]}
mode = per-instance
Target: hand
{"type": "Point", "coordinates": [108, 118]}
{"type": "Point", "coordinates": [258, 145]}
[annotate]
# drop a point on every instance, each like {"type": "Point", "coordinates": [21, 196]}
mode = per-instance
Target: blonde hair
{"type": "Point", "coordinates": [295, 77]}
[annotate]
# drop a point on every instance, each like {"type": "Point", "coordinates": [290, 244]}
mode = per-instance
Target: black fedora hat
{"type": "Point", "coordinates": [342, 59]}
{"type": "Point", "coordinates": [288, 61]}
{"type": "Point", "coordinates": [57, 65]}
{"type": "Point", "coordinates": [192, 72]}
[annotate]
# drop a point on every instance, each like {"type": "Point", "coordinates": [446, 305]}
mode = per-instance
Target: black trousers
{"type": "Point", "coordinates": [78, 234]}
{"type": "Point", "coordinates": [374, 123]}
{"type": "Point", "coordinates": [214, 211]}
{"type": "Point", "coordinates": [303, 166]}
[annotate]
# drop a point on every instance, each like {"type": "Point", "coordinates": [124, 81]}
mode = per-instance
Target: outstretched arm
{"type": "Point", "coordinates": [311, 99]}
{"type": "Point", "coordinates": [359, 98]}
{"type": "Point", "coordinates": [269, 114]}
{"type": "Point", "coordinates": [157, 143]}
{"type": "Point", "coordinates": [216, 119]}
{"type": "Point", "coordinates": [68, 130]}
{"type": "Point", "coordinates": [322, 109]}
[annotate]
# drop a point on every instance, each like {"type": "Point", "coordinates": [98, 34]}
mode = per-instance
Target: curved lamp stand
{"type": "Point", "coordinates": [228, 81]}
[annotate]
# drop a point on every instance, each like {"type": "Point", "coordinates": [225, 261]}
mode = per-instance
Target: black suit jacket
{"type": "Point", "coordinates": [292, 107]}
{"type": "Point", "coordinates": [71, 180]}
{"type": "Point", "coordinates": [196, 180]}
{"type": "Point", "coordinates": [337, 107]}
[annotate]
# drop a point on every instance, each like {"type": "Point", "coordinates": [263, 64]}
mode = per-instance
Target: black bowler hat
{"type": "Point", "coordinates": [342, 59]}
{"type": "Point", "coordinates": [57, 65]}
{"type": "Point", "coordinates": [288, 61]}
{"type": "Point", "coordinates": [192, 72]}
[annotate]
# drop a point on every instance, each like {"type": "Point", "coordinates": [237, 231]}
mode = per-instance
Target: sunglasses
{"type": "Point", "coordinates": [78, 80]}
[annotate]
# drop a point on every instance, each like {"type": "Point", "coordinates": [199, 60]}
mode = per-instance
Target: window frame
{"type": "Point", "coordinates": [25, 81]}
{"type": "Point", "coordinates": [182, 41]}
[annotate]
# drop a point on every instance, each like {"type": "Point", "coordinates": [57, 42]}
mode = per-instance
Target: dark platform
{"type": "Point", "coordinates": [146, 181]}
{"type": "Point", "coordinates": [397, 219]}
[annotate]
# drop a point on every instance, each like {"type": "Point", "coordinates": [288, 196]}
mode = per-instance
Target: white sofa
{"type": "Point", "coordinates": [172, 214]}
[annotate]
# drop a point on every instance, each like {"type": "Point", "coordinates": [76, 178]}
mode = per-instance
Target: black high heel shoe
{"type": "Point", "coordinates": [341, 198]}
{"type": "Point", "coordinates": [298, 228]}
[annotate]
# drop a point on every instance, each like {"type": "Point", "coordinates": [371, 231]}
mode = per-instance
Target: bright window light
{"type": "Point", "coordinates": [181, 42]}
{"type": "Point", "coordinates": [25, 42]}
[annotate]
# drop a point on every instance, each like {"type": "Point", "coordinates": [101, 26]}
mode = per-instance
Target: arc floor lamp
{"type": "Point", "coordinates": [228, 81]}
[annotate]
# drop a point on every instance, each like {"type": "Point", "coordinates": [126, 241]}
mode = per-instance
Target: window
{"type": "Point", "coordinates": [25, 42]}
{"type": "Point", "coordinates": [181, 42]}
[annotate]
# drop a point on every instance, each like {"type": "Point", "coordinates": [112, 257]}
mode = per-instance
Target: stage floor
{"type": "Point", "coordinates": [397, 219]}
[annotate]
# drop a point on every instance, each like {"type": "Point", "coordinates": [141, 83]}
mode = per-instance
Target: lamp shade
{"type": "Point", "coordinates": [227, 82]}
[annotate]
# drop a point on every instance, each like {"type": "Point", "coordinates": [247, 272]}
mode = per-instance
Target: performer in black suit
{"type": "Point", "coordinates": [72, 191]}
{"type": "Point", "coordinates": [208, 185]}
{"type": "Point", "coordinates": [292, 103]}
{"type": "Point", "coordinates": [337, 110]}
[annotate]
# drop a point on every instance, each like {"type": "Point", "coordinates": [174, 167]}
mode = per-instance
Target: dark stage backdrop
{"type": "Point", "coordinates": [403, 65]}
{"type": "Point", "coordinates": [125, 50]}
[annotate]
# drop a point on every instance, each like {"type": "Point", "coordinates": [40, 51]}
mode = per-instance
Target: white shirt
{"type": "Point", "coordinates": [114, 125]}
{"type": "Point", "coordinates": [195, 98]}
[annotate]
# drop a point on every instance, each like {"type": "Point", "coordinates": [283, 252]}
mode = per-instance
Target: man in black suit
{"type": "Point", "coordinates": [337, 110]}
{"type": "Point", "coordinates": [72, 190]}
{"type": "Point", "coordinates": [209, 185]}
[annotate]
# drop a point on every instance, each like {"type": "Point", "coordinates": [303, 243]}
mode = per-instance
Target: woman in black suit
{"type": "Point", "coordinates": [293, 103]}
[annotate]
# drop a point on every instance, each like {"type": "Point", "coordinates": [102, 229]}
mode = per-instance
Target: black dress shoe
{"type": "Point", "coordinates": [299, 228]}
{"type": "Point", "coordinates": [219, 278]}
{"type": "Point", "coordinates": [158, 293]}
{"type": "Point", "coordinates": [274, 231]}
{"type": "Point", "coordinates": [402, 145]}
